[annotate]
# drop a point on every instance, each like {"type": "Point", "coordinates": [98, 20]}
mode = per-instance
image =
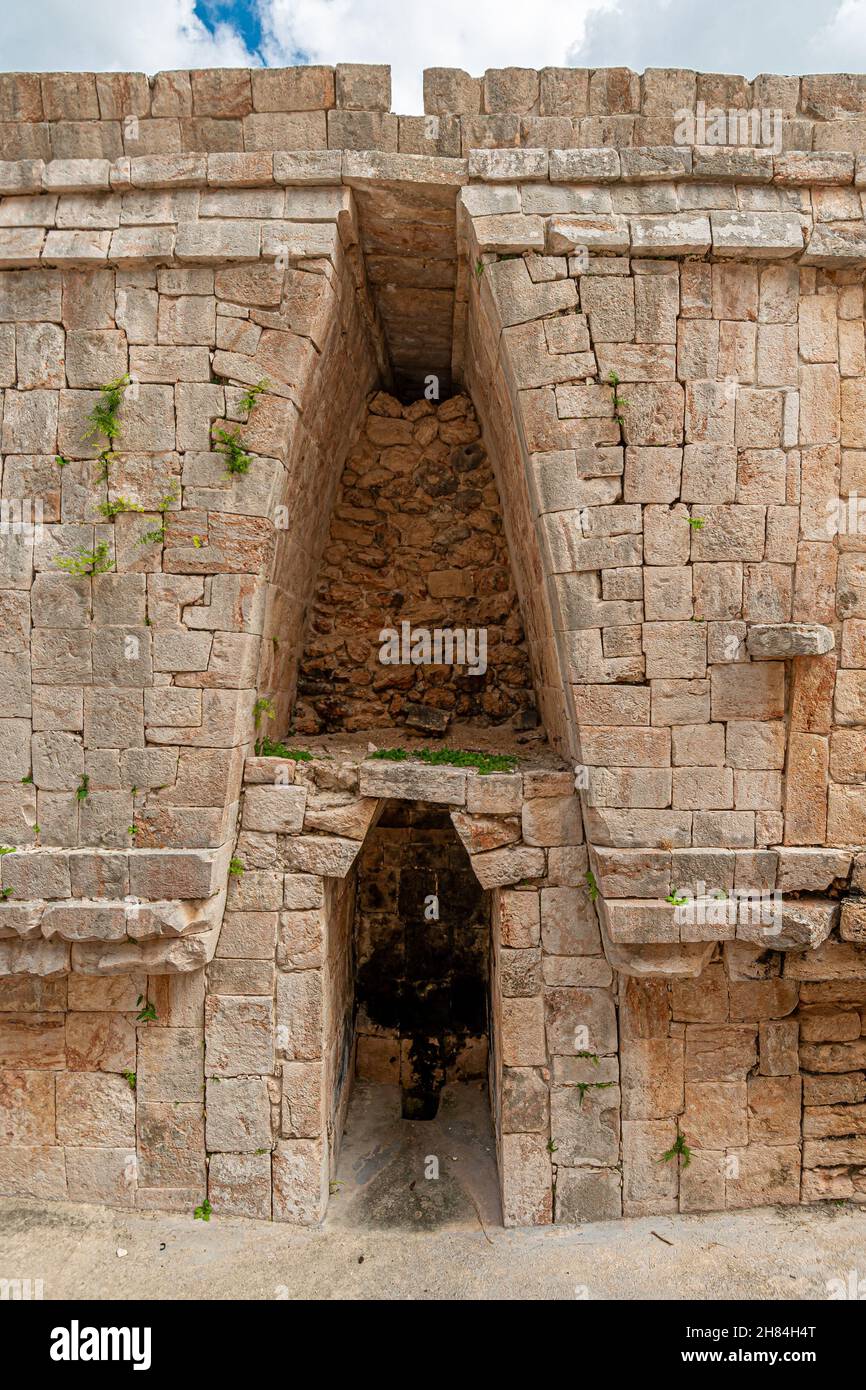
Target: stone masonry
{"type": "Point", "coordinates": [416, 536]}
{"type": "Point", "coordinates": [662, 341]}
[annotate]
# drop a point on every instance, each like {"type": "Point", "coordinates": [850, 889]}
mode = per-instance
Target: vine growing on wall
{"type": "Point", "coordinates": [83, 562]}
{"type": "Point", "coordinates": [229, 444]}
{"type": "Point", "coordinates": [104, 420]}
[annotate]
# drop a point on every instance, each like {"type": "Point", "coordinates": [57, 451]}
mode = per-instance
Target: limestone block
{"type": "Point", "coordinates": [27, 1107]}
{"type": "Point", "coordinates": [650, 1185]}
{"type": "Point", "coordinates": [238, 1115]}
{"type": "Point", "coordinates": [33, 1171]}
{"type": "Point", "coordinates": [301, 1100]}
{"type": "Point", "coordinates": [299, 1015]}
{"type": "Point", "coordinates": [652, 1078]}
{"type": "Point", "coordinates": [300, 1178]}
{"type": "Point", "coordinates": [683, 233]}
{"type": "Point", "coordinates": [517, 914]}
{"type": "Point", "coordinates": [526, 1180]}
{"type": "Point", "coordinates": [765, 1174]}
{"type": "Point", "coordinates": [327, 855]}
{"type": "Point", "coordinates": [586, 1124]}
{"type": "Point", "coordinates": [94, 1109]}
{"type": "Point", "coordinates": [415, 781]}
{"type": "Point", "coordinates": [238, 1036]}
{"type": "Point", "coordinates": [596, 232]}
{"type": "Point", "coordinates": [525, 1101]}
{"type": "Point", "coordinates": [102, 1175]}
{"type": "Point", "coordinates": [170, 1065]}
{"type": "Point", "coordinates": [778, 1047]}
{"type": "Point", "coordinates": [171, 1145]}
{"type": "Point", "coordinates": [500, 867]}
{"type": "Point", "coordinates": [239, 1184]}
{"type": "Point", "coordinates": [715, 1115]}
{"type": "Point", "coordinates": [274, 808]}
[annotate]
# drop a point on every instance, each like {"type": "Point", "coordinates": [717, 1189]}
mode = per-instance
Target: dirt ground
{"type": "Point", "coordinates": [398, 1230]}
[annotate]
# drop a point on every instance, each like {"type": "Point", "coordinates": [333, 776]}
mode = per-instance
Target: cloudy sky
{"type": "Point", "coordinates": [737, 36]}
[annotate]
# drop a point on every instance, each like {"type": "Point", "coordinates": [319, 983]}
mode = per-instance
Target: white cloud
{"type": "Point", "coordinates": [113, 36]}
{"type": "Point", "coordinates": [415, 34]}
{"type": "Point", "coordinates": [735, 36]}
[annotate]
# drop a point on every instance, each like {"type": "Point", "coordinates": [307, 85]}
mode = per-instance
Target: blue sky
{"type": "Point", "coordinates": [243, 15]}
{"type": "Point", "coordinates": [738, 36]}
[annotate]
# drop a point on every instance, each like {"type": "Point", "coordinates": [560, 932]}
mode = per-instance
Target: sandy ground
{"type": "Point", "coordinates": [392, 1232]}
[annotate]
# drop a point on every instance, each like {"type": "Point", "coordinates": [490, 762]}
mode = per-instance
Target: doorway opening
{"type": "Point", "coordinates": [418, 1144]}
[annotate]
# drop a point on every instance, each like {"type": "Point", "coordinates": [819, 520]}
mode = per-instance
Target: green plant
{"type": "Point", "coordinates": [229, 444]}
{"type": "Point", "coordinates": [148, 1012]}
{"type": "Point", "coordinates": [271, 748]}
{"type": "Point", "coordinates": [679, 1149]}
{"type": "Point", "coordinates": [28, 780]}
{"type": "Point", "coordinates": [589, 1057]}
{"type": "Point", "coordinates": [592, 886]}
{"type": "Point", "coordinates": [203, 1213]}
{"type": "Point", "coordinates": [166, 501]}
{"type": "Point", "coordinates": [618, 401]}
{"type": "Point", "coordinates": [263, 706]}
{"type": "Point", "coordinates": [120, 504]}
{"type": "Point", "coordinates": [83, 561]}
{"type": "Point", "coordinates": [675, 899]}
{"type": "Point", "coordinates": [552, 1146]}
{"type": "Point", "coordinates": [7, 849]}
{"type": "Point", "coordinates": [61, 461]}
{"type": "Point", "coordinates": [132, 829]}
{"type": "Point", "coordinates": [484, 763]}
{"type": "Point", "coordinates": [154, 537]}
{"type": "Point", "coordinates": [583, 1086]}
{"type": "Point", "coordinates": [236, 866]}
{"type": "Point", "coordinates": [697, 523]}
{"type": "Point", "coordinates": [479, 268]}
{"type": "Point", "coordinates": [82, 791]}
{"type": "Point", "coordinates": [130, 1078]}
{"type": "Point", "coordinates": [103, 419]}
{"type": "Point", "coordinates": [248, 399]}
{"type": "Point", "coordinates": [5, 893]}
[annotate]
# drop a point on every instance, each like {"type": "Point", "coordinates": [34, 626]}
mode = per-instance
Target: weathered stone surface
{"type": "Point", "coordinates": [588, 1194]}
{"type": "Point", "coordinates": [300, 1179]}
{"type": "Point", "coordinates": [238, 1036]}
{"type": "Point", "coordinates": [526, 1180]}
{"type": "Point", "coordinates": [94, 1109]}
{"type": "Point", "coordinates": [238, 1115]}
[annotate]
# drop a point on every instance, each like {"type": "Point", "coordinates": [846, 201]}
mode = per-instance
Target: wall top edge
{"type": "Point", "coordinates": [645, 165]}
{"type": "Point", "coordinates": [56, 115]}
{"type": "Point", "coordinates": [551, 91]}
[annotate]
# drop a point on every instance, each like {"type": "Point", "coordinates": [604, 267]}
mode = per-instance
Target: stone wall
{"type": "Point", "coordinates": [66, 115]}
{"type": "Point", "coordinates": [664, 344]}
{"type": "Point", "coordinates": [416, 537]}
{"type": "Point", "coordinates": [759, 1064]}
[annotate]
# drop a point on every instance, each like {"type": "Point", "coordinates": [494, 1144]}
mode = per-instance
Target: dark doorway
{"type": "Point", "coordinates": [422, 945]}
